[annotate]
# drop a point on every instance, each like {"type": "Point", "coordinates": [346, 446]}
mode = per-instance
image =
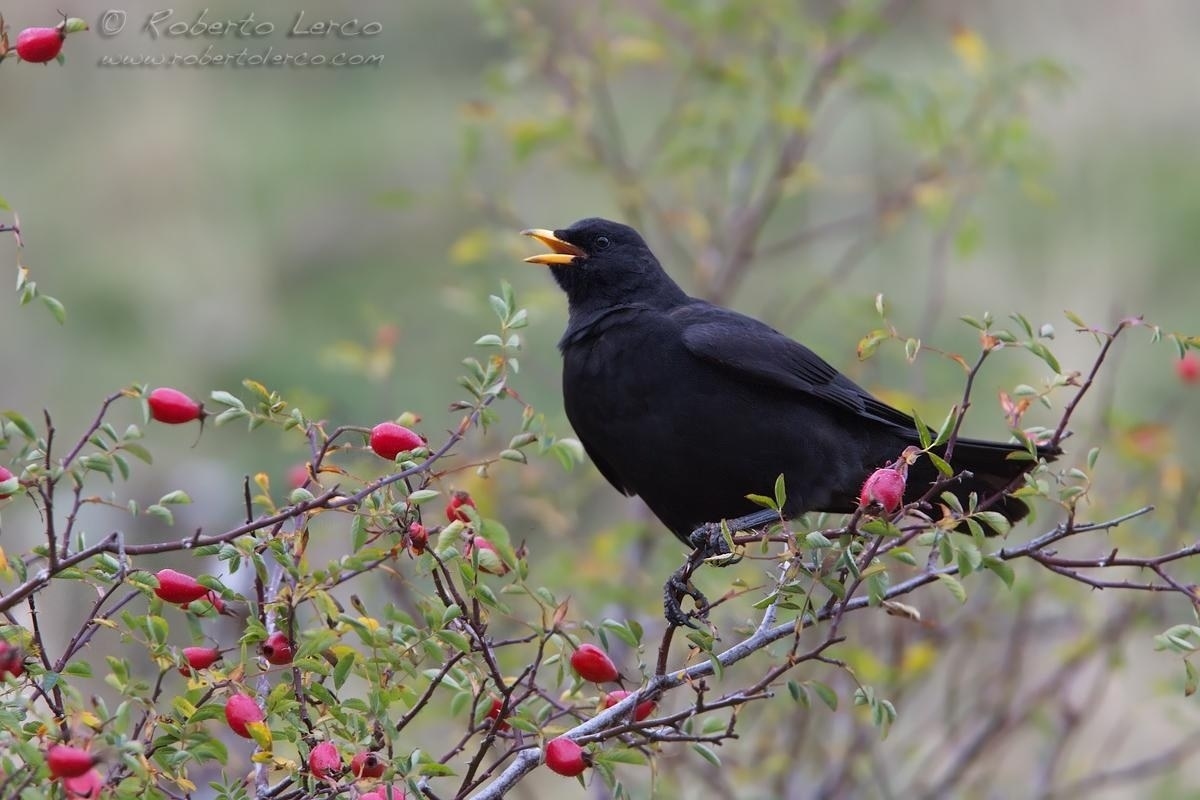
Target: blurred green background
{"type": "Point", "coordinates": [320, 230]}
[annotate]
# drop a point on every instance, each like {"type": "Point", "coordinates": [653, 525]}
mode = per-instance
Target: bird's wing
{"type": "Point", "coordinates": [606, 469]}
{"type": "Point", "coordinates": [758, 353]}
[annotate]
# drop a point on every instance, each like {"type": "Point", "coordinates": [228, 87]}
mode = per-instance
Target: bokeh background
{"type": "Point", "coordinates": [327, 232]}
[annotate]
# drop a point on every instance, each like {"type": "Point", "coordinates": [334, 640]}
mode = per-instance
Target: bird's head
{"type": "Point", "coordinates": [598, 262]}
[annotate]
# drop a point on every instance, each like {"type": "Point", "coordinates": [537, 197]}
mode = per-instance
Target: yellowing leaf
{"type": "Point", "coordinates": [472, 246]}
{"type": "Point", "coordinates": [918, 658]}
{"type": "Point", "coordinates": [635, 50]}
{"type": "Point", "coordinates": [970, 48]}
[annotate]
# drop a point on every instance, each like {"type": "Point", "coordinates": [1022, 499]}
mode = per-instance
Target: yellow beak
{"type": "Point", "coordinates": [564, 253]}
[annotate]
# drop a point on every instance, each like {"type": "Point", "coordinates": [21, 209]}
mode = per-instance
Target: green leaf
{"type": "Point", "coordinates": [227, 399]}
{"type": "Point", "coordinates": [870, 343]}
{"type": "Point", "coordinates": [56, 308]}
{"type": "Point", "coordinates": [827, 694]}
{"type": "Point", "coordinates": [707, 754]}
{"type": "Point", "coordinates": [1002, 568]}
{"type": "Point", "coordinates": [22, 425]}
{"type": "Point", "coordinates": [954, 586]}
{"type": "Point", "coordinates": [922, 431]}
{"type": "Point", "coordinates": [177, 497]}
{"type": "Point", "coordinates": [940, 464]}
{"type": "Point", "coordinates": [162, 512]}
{"type": "Point", "coordinates": [780, 492]}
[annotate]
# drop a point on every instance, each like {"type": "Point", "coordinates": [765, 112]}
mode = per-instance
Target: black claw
{"type": "Point", "coordinates": [676, 588]}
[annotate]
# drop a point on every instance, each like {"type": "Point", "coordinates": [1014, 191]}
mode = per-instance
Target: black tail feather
{"type": "Point", "coordinates": [992, 473]}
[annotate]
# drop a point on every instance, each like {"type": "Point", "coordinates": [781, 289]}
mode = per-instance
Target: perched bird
{"type": "Point", "coordinates": [693, 406]}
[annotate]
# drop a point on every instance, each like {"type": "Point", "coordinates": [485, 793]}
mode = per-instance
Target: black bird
{"type": "Point", "coordinates": [692, 406]}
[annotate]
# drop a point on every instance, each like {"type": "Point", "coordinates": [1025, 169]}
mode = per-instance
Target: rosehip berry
{"type": "Point", "coordinates": [298, 475]}
{"type": "Point", "coordinates": [324, 761]}
{"type": "Point", "coordinates": [885, 487]}
{"type": "Point", "coordinates": [278, 649]}
{"type": "Point", "coordinates": [211, 601]}
{"type": "Point", "coordinates": [12, 661]}
{"type": "Point", "coordinates": [457, 501]}
{"type": "Point", "coordinates": [198, 658]}
{"type": "Point", "coordinates": [489, 558]}
{"type": "Point", "coordinates": [5, 475]}
{"type": "Point", "coordinates": [565, 757]}
{"type": "Point", "coordinates": [389, 440]}
{"type": "Point", "coordinates": [418, 538]}
{"type": "Point", "coordinates": [1188, 368]}
{"type": "Point", "coordinates": [175, 587]}
{"type": "Point", "coordinates": [65, 761]}
{"type": "Point", "coordinates": [367, 765]}
{"type": "Point", "coordinates": [173, 407]}
{"type": "Point", "coordinates": [240, 711]}
{"type": "Point", "coordinates": [593, 664]}
{"type": "Point", "coordinates": [643, 709]}
{"type": "Point", "coordinates": [39, 45]}
{"type": "Point", "coordinates": [494, 715]}
{"type": "Point", "coordinates": [85, 787]}
{"type": "Point", "coordinates": [384, 793]}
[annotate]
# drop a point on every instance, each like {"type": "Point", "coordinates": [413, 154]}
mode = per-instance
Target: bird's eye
{"type": "Point", "coordinates": [602, 243]}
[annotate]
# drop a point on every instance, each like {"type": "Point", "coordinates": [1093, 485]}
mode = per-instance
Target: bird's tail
{"type": "Point", "coordinates": [992, 475]}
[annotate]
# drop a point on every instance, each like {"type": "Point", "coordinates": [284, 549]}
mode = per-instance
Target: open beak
{"type": "Point", "coordinates": [564, 253]}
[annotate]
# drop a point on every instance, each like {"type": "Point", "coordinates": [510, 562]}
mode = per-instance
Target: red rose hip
{"type": "Point", "coordinates": [278, 649]}
{"type": "Point", "coordinates": [12, 660]}
{"type": "Point", "coordinates": [176, 587]}
{"type": "Point", "coordinates": [85, 787]}
{"type": "Point", "coordinates": [1188, 368]}
{"type": "Point", "coordinates": [885, 488]}
{"type": "Point", "coordinates": [65, 761]}
{"type": "Point", "coordinates": [643, 709]}
{"type": "Point", "coordinates": [324, 761]}
{"type": "Point", "coordinates": [39, 45]}
{"type": "Point", "coordinates": [367, 765]}
{"type": "Point", "coordinates": [565, 757]}
{"type": "Point", "coordinates": [457, 501]}
{"type": "Point", "coordinates": [5, 475]}
{"type": "Point", "coordinates": [173, 407]}
{"type": "Point", "coordinates": [389, 440]}
{"type": "Point", "coordinates": [418, 538]}
{"type": "Point", "coordinates": [198, 658]}
{"type": "Point", "coordinates": [489, 558]}
{"type": "Point", "coordinates": [494, 715]}
{"type": "Point", "coordinates": [240, 711]}
{"type": "Point", "coordinates": [593, 664]}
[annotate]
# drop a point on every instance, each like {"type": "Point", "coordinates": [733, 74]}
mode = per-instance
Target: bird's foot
{"type": "Point", "coordinates": [712, 544]}
{"type": "Point", "coordinates": [678, 586]}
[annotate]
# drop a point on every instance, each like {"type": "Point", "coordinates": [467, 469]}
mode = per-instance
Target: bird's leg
{"type": "Point", "coordinates": [709, 539]}
{"type": "Point", "coordinates": [678, 586]}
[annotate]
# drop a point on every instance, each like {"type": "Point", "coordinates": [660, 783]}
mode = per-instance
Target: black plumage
{"type": "Point", "coordinates": [693, 406]}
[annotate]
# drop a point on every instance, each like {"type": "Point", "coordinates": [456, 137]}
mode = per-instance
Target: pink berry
{"type": "Point", "coordinates": [885, 488]}
{"type": "Point", "coordinates": [173, 407]}
{"type": "Point", "coordinates": [565, 757]}
{"type": "Point", "coordinates": [324, 761]}
{"type": "Point", "coordinates": [278, 649]}
{"type": "Point", "coordinates": [643, 709]}
{"type": "Point", "coordinates": [65, 761]}
{"type": "Point", "coordinates": [240, 711]}
{"type": "Point", "coordinates": [367, 765]}
{"type": "Point", "coordinates": [176, 587]}
{"type": "Point", "coordinates": [5, 475]}
{"type": "Point", "coordinates": [1188, 368]}
{"type": "Point", "coordinates": [39, 45]}
{"type": "Point", "coordinates": [198, 658]}
{"type": "Point", "coordinates": [389, 440]}
{"type": "Point", "coordinates": [593, 664]}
